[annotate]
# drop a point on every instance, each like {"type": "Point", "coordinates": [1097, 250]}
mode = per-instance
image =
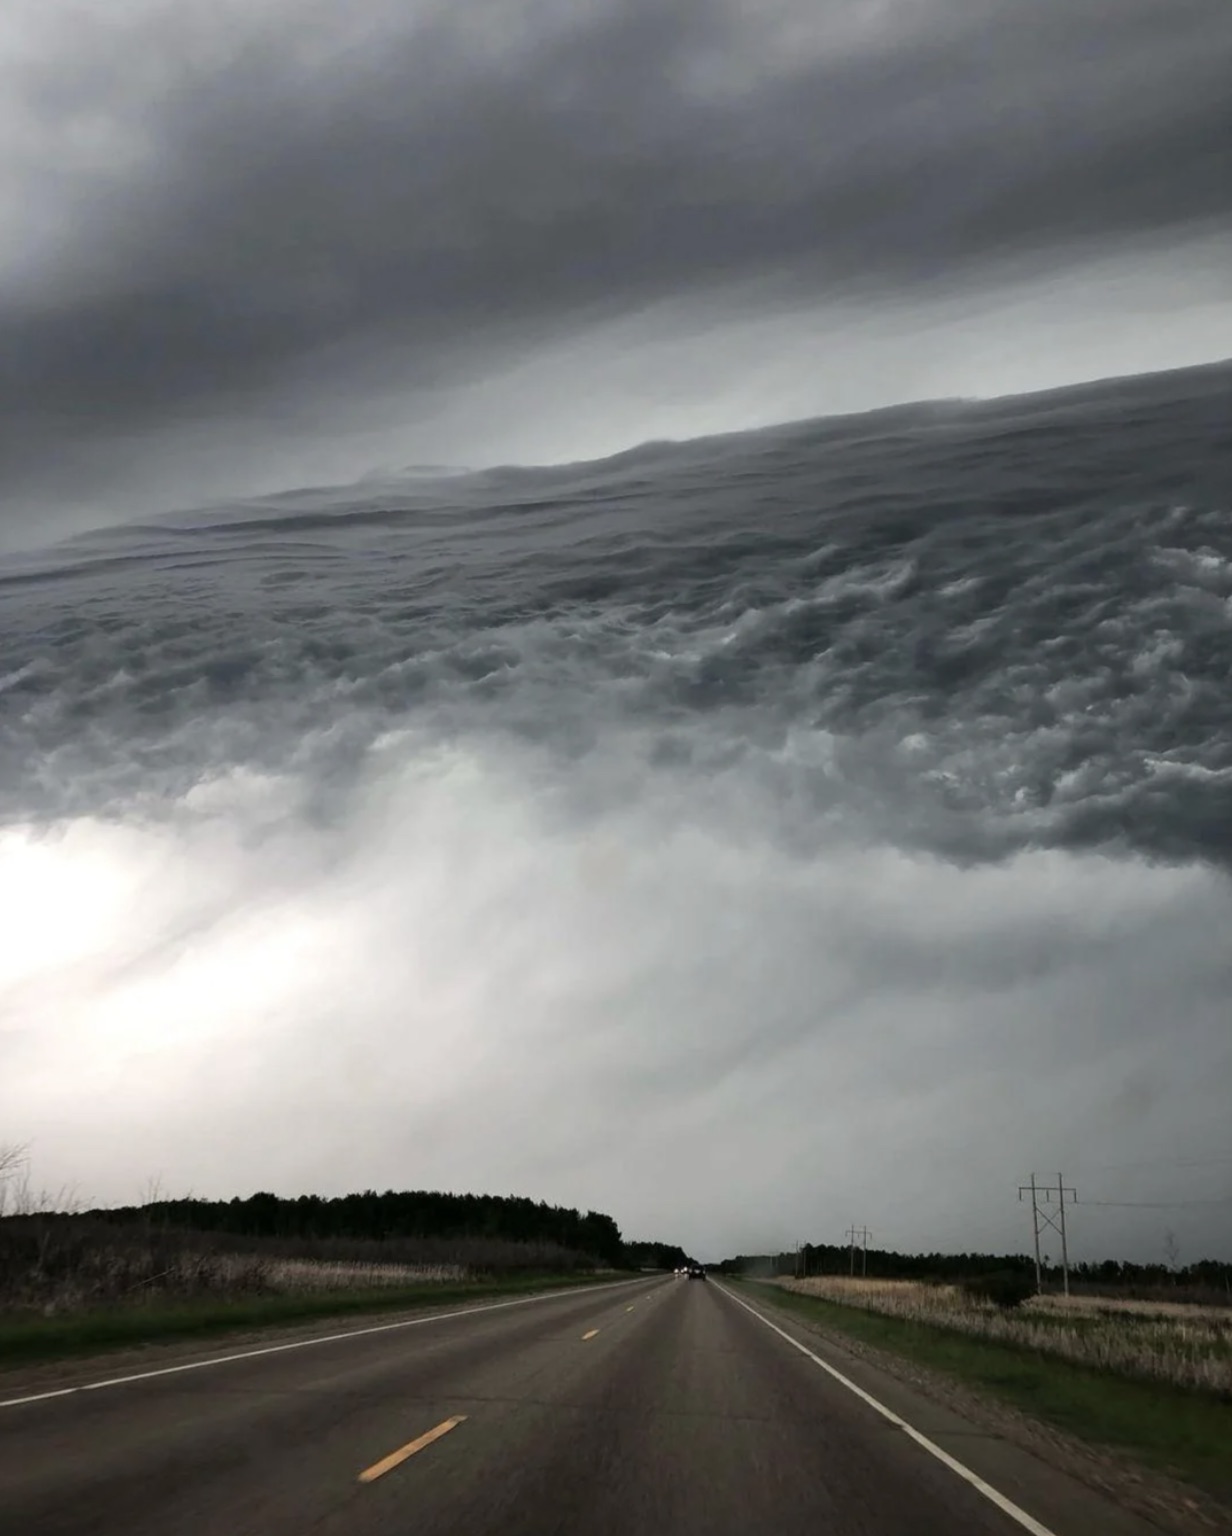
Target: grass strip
{"type": "Point", "coordinates": [1188, 1434]}
{"type": "Point", "coordinates": [28, 1339]}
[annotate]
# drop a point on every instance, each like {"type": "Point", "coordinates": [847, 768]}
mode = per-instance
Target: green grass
{"type": "Point", "coordinates": [1188, 1434]}
{"type": "Point", "coordinates": [25, 1339]}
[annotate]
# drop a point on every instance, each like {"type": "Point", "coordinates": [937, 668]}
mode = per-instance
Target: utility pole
{"type": "Point", "coordinates": [1042, 1197]}
{"type": "Point", "coordinates": [1035, 1229]}
{"type": "Point", "coordinates": [859, 1235]}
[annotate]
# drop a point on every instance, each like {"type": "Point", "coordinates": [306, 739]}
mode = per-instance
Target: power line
{"type": "Point", "coordinates": [1156, 1162]}
{"type": "Point", "coordinates": [1153, 1205]}
{"type": "Point", "coordinates": [859, 1235]}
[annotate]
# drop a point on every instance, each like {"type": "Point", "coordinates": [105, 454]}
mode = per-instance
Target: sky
{"type": "Point", "coordinates": [266, 243]}
{"type": "Point", "coordinates": [651, 1011]}
{"type": "Point", "coordinates": [257, 245]}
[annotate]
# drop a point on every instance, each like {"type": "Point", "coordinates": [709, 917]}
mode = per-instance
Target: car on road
{"type": "Point", "coordinates": [696, 1272]}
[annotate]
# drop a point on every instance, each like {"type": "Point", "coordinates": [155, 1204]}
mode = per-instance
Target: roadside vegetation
{"type": "Point", "coordinates": [55, 1264]}
{"type": "Point", "coordinates": [1185, 1346]}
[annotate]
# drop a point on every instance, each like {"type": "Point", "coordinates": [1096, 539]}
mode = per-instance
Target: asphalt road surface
{"type": "Point", "coordinates": [663, 1406]}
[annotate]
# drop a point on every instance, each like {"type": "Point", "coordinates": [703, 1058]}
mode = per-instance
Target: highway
{"type": "Point", "coordinates": [661, 1406]}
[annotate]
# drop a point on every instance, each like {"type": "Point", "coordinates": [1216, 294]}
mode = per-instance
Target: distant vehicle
{"type": "Point", "coordinates": [696, 1272]}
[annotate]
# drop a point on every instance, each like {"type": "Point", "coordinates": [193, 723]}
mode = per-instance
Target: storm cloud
{"type": "Point", "coordinates": [746, 836]}
{"type": "Point", "coordinates": [314, 217]}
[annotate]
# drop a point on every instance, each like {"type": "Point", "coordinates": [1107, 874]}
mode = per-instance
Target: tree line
{"type": "Point", "coordinates": [402, 1214]}
{"type": "Point", "coordinates": [654, 1256]}
{"type": "Point", "coordinates": [885, 1264]}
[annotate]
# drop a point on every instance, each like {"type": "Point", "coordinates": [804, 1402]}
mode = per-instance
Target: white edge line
{"type": "Point", "coordinates": [1007, 1506]}
{"type": "Point", "coordinates": [331, 1338]}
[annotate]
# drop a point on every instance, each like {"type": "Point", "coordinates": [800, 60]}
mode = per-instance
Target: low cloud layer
{"type": "Point", "coordinates": [304, 215]}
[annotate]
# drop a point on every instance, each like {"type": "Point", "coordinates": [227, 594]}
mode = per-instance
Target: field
{"type": "Point", "coordinates": [53, 1264]}
{"type": "Point", "coordinates": [1180, 1345]}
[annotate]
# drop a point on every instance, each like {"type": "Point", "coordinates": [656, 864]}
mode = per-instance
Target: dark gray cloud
{"type": "Point", "coordinates": [229, 216]}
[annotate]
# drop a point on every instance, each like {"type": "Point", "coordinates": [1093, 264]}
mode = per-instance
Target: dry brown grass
{"type": "Point", "coordinates": [56, 1265]}
{"type": "Point", "coordinates": [1086, 1306]}
{"type": "Point", "coordinates": [1182, 1345]}
{"type": "Point", "coordinates": [315, 1275]}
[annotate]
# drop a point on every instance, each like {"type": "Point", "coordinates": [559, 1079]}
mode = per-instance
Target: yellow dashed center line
{"type": "Point", "coordinates": [396, 1458]}
{"type": "Point", "coordinates": [589, 1335]}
